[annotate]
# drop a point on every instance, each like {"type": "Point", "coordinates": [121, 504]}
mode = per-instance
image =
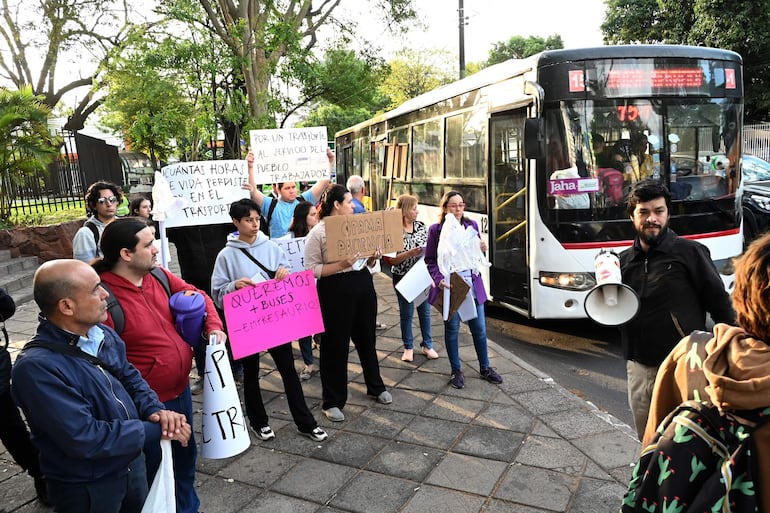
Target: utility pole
{"type": "Point", "coordinates": [463, 22]}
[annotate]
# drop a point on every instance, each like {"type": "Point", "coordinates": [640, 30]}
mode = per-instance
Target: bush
{"type": "Point", "coordinates": [62, 214]}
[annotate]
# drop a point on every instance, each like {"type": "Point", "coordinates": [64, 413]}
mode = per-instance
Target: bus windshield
{"type": "Point", "coordinates": [596, 150]}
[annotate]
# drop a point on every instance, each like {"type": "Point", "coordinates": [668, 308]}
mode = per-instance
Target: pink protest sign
{"type": "Point", "coordinates": [272, 313]}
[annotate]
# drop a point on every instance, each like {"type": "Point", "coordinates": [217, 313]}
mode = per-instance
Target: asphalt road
{"type": "Point", "coordinates": [581, 356]}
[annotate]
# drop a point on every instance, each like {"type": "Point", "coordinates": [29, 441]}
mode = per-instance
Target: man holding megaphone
{"type": "Point", "coordinates": [677, 283]}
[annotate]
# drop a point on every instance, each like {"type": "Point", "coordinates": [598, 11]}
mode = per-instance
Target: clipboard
{"type": "Point", "coordinates": [457, 292]}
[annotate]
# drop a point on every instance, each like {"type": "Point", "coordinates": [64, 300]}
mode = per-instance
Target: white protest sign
{"type": "Point", "coordinates": [415, 282]}
{"type": "Point", "coordinates": [224, 432]}
{"type": "Point", "coordinates": [206, 189]}
{"type": "Point", "coordinates": [289, 155]}
{"type": "Point", "coordinates": [295, 251]}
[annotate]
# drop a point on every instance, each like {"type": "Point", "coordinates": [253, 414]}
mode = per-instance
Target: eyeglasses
{"type": "Point", "coordinates": [455, 205]}
{"type": "Point", "coordinates": [111, 200]}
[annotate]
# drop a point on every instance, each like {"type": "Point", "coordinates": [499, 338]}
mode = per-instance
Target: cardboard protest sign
{"type": "Point", "coordinates": [457, 293]}
{"type": "Point", "coordinates": [362, 234]}
{"type": "Point", "coordinates": [295, 251]}
{"type": "Point", "coordinates": [272, 313]}
{"type": "Point", "coordinates": [224, 430]}
{"type": "Point", "coordinates": [206, 190]}
{"type": "Point", "coordinates": [289, 155]}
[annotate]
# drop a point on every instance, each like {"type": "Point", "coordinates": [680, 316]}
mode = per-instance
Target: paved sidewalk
{"type": "Point", "coordinates": [524, 446]}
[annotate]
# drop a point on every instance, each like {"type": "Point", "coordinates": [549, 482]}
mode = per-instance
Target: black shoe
{"type": "Point", "coordinates": [41, 489]}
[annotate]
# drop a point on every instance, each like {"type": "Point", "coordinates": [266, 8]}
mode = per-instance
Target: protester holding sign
{"type": "Point", "coordinates": [279, 216]}
{"type": "Point", "coordinates": [415, 238]}
{"type": "Point", "coordinates": [248, 258]}
{"type": "Point", "coordinates": [305, 217]}
{"type": "Point", "coordinates": [349, 309]}
{"type": "Point", "coordinates": [441, 256]}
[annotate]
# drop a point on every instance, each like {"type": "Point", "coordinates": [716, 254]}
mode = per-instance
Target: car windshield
{"type": "Point", "coordinates": [754, 169]}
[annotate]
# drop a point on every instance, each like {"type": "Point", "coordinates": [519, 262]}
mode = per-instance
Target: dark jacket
{"type": "Point", "coordinates": [85, 422]}
{"type": "Point", "coordinates": [677, 284]}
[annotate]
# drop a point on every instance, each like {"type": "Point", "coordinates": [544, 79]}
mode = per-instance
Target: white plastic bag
{"type": "Point", "coordinates": [162, 496]}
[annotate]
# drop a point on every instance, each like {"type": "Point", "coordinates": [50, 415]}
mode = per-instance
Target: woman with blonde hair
{"type": "Point", "coordinates": [415, 239]}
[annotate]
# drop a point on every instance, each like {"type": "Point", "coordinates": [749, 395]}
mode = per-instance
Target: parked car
{"type": "Point", "coordinates": [755, 198]}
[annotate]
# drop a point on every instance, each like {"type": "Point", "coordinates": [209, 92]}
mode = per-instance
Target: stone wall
{"type": "Point", "coordinates": [45, 242]}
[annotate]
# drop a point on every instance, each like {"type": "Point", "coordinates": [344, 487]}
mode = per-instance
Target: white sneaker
{"type": "Point", "coordinates": [317, 435]}
{"type": "Point", "coordinates": [264, 433]}
{"type": "Point", "coordinates": [385, 398]}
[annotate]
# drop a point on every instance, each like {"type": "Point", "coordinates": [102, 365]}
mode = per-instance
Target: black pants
{"type": "Point", "coordinates": [255, 408]}
{"type": "Point", "coordinates": [15, 437]}
{"type": "Point", "coordinates": [349, 309]}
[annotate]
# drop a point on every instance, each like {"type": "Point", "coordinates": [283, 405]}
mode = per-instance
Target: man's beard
{"type": "Point", "coordinates": [652, 240]}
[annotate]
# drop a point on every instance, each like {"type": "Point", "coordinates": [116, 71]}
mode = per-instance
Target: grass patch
{"type": "Point", "coordinates": [45, 216]}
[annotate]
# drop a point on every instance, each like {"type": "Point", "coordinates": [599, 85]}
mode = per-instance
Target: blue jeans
{"type": "Point", "coordinates": [184, 459]}
{"type": "Point", "coordinates": [406, 311]}
{"type": "Point", "coordinates": [478, 328]}
{"type": "Point", "coordinates": [111, 494]}
{"type": "Point", "coordinates": [306, 349]}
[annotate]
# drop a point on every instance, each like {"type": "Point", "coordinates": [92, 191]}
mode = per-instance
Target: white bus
{"type": "Point", "coordinates": [545, 149]}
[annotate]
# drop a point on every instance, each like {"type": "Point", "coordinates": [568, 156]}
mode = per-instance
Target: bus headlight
{"type": "Point", "coordinates": [568, 281]}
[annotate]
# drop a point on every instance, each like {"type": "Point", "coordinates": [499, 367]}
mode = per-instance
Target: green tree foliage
{"type": "Point", "coordinates": [43, 38]}
{"type": "Point", "coordinates": [146, 106]}
{"type": "Point", "coordinates": [265, 37]}
{"type": "Point", "coordinates": [336, 118]}
{"type": "Point", "coordinates": [26, 146]}
{"type": "Point", "coordinates": [742, 26]}
{"type": "Point", "coordinates": [413, 73]}
{"type": "Point", "coordinates": [519, 47]}
{"type": "Point", "coordinates": [342, 79]}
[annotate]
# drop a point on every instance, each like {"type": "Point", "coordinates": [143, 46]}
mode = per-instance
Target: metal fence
{"type": "Point", "coordinates": [756, 140]}
{"type": "Point", "coordinates": [48, 191]}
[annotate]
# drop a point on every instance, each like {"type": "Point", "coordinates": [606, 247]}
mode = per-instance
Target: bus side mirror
{"type": "Point", "coordinates": [534, 138]}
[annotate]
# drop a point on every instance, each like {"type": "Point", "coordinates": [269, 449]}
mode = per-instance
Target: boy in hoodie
{"type": "Point", "coordinates": [735, 374]}
{"type": "Point", "coordinates": [250, 257]}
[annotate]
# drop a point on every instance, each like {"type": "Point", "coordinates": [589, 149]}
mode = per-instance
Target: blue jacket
{"type": "Point", "coordinates": [85, 422]}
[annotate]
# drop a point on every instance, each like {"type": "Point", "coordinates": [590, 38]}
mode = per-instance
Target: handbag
{"type": "Point", "coordinates": [7, 309]}
{"type": "Point", "coordinates": [162, 496]}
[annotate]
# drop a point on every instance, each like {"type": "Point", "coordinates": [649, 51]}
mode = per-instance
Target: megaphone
{"type": "Point", "coordinates": [611, 302]}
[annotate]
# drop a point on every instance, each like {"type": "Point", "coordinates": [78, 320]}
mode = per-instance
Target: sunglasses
{"type": "Point", "coordinates": [111, 200]}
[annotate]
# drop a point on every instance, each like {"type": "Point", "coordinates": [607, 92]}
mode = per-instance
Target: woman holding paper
{"type": "Point", "coordinates": [248, 258]}
{"type": "Point", "coordinates": [349, 310]}
{"type": "Point", "coordinates": [458, 250]}
{"type": "Point", "coordinates": [415, 238]}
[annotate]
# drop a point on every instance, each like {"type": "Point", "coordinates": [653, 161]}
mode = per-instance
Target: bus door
{"type": "Point", "coordinates": [509, 274]}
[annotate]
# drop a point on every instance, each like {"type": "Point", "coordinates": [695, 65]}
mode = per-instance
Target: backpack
{"type": "Point", "coordinates": [264, 224]}
{"type": "Point", "coordinates": [612, 185]}
{"type": "Point", "coordinates": [700, 460]}
{"type": "Point", "coordinates": [91, 226]}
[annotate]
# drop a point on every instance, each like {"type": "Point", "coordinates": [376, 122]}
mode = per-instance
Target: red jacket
{"type": "Point", "coordinates": [152, 343]}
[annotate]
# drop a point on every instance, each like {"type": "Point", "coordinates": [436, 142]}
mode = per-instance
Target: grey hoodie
{"type": "Point", "coordinates": [232, 264]}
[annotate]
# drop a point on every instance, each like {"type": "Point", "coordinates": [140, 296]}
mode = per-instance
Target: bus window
{"type": "Point", "coordinates": [465, 145]}
{"type": "Point", "coordinates": [426, 150]}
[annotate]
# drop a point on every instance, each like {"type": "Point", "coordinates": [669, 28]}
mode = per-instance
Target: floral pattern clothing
{"type": "Point", "coordinates": [417, 239]}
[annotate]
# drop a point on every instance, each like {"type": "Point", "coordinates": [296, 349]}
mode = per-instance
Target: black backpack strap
{"type": "Point", "coordinates": [162, 277]}
{"type": "Point", "coordinates": [271, 274]}
{"type": "Point", "coordinates": [72, 351]}
{"type": "Point", "coordinates": [91, 226]}
{"type": "Point", "coordinates": [271, 209]}
{"type": "Point", "coordinates": [115, 310]}
{"type": "Point", "coordinates": [113, 305]}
